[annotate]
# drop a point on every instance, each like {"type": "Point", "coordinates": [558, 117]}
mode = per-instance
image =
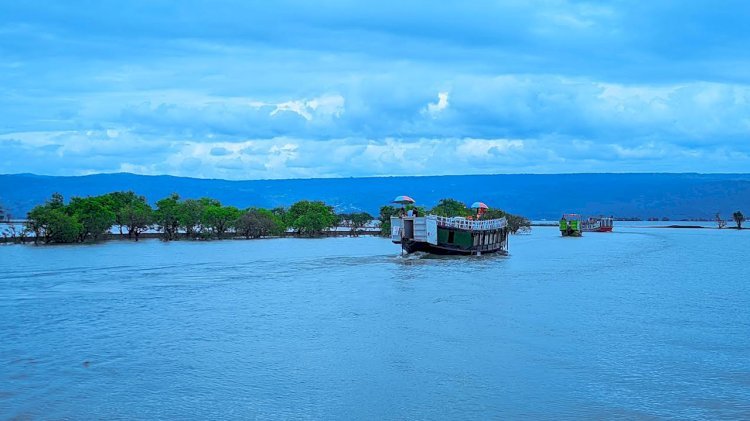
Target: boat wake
{"type": "Point", "coordinates": [417, 255]}
{"type": "Point", "coordinates": [425, 256]}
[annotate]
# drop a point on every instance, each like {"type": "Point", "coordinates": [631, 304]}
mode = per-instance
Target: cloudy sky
{"type": "Point", "coordinates": [288, 89]}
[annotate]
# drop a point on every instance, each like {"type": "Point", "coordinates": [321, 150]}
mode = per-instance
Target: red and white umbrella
{"type": "Point", "coordinates": [404, 200]}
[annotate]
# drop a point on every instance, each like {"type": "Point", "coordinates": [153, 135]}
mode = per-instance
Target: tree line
{"type": "Point", "coordinates": [92, 218]}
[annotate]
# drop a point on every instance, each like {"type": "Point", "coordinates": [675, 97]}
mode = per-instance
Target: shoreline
{"type": "Point", "coordinates": [326, 234]}
{"type": "Point", "coordinates": [181, 237]}
{"type": "Point", "coordinates": [676, 226]}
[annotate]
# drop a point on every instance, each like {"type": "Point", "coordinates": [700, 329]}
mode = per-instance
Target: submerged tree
{"type": "Point", "coordinates": [516, 223]}
{"type": "Point", "coordinates": [385, 219]}
{"type": "Point", "coordinates": [739, 218]}
{"type": "Point", "coordinates": [219, 219]}
{"type": "Point", "coordinates": [167, 216]}
{"type": "Point", "coordinates": [720, 222]}
{"type": "Point", "coordinates": [257, 223]}
{"type": "Point", "coordinates": [116, 202]}
{"type": "Point", "coordinates": [52, 224]}
{"type": "Point", "coordinates": [355, 220]}
{"type": "Point", "coordinates": [63, 228]}
{"type": "Point", "coordinates": [310, 218]}
{"type": "Point", "coordinates": [189, 216]}
{"type": "Point", "coordinates": [93, 214]}
{"type": "Point", "coordinates": [137, 216]}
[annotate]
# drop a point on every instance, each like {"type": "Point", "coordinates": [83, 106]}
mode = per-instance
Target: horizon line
{"type": "Point", "coordinates": [376, 176]}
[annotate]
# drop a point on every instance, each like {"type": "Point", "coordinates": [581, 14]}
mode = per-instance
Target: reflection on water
{"type": "Point", "coordinates": [640, 322]}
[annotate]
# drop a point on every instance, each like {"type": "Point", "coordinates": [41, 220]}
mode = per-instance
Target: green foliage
{"type": "Point", "coordinates": [218, 219]}
{"type": "Point", "coordinates": [739, 218]}
{"type": "Point", "coordinates": [137, 217]}
{"type": "Point", "coordinates": [167, 216]}
{"type": "Point", "coordinates": [117, 202]}
{"type": "Point", "coordinates": [450, 207]}
{"type": "Point", "coordinates": [93, 214]}
{"type": "Point", "coordinates": [91, 217]}
{"type": "Point", "coordinates": [36, 222]}
{"type": "Point", "coordinates": [51, 224]}
{"type": "Point", "coordinates": [385, 219]}
{"type": "Point", "coordinates": [199, 218]}
{"type": "Point", "coordinates": [189, 216]}
{"type": "Point", "coordinates": [56, 202]}
{"type": "Point", "coordinates": [310, 218]}
{"type": "Point", "coordinates": [62, 228]}
{"type": "Point", "coordinates": [494, 213]}
{"type": "Point", "coordinates": [516, 223]}
{"type": "Point", "coordinates": [279, 212]}
{"type": "Point", "coordinates": [257, 223]}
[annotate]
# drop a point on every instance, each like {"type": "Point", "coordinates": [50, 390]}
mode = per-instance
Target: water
{"type": "Point", "coordinates": [643, 322]}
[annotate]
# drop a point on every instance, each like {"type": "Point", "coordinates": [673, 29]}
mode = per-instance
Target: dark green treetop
{"type": "Point", "coordinates": [739, 218]}
{"type": "Point", "coordinates": [310, 218]}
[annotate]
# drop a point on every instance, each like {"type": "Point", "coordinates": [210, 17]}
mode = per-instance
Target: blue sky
{"type": "Point", "coordinates": [287, 89]}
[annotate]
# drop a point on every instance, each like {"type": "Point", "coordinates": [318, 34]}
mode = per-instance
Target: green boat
{"type": "Point", "coordinates": [570, 225]}
{"type": "Point", "coordinates": [449, 235]}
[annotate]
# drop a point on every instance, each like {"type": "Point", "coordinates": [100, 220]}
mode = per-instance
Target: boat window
{"type": "Point", "coordinates": [451, 236]}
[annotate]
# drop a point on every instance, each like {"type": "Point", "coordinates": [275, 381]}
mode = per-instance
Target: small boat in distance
{"type": "Point", "coordinates": [570, 225]}
{"type": "Point", "coordinates": [597, 224]}
{"type": "Point", "coordinates": [449, 235]}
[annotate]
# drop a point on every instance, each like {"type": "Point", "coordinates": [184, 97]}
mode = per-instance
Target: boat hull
{"type": "Point", "coordinates": [599, 229]}
{"type": "Point", "coordinates": [410, 246]}
{"type": "Point", "coordinates": [597, 224]}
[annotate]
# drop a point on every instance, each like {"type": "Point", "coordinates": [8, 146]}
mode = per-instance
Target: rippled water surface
{"type": "Point", "coordinates": [641, 322]}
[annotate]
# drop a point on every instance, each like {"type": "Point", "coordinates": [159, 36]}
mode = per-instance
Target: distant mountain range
{"type": "Point", "coordinates": [675, 196]}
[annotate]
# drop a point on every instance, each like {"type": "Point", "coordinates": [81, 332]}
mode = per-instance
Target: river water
{"type": "Point", "coordinates": [637, 323]}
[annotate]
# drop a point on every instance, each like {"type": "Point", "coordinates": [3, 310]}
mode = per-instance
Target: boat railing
{"type": "Point", "coordinates": [470, 225]}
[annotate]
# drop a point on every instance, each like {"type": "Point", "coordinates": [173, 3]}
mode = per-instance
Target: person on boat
{"type": "Point", "coordinates": [415, 213]}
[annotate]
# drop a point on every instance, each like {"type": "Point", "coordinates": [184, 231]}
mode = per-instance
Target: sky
{"type": "Point", "coordinates": [300, 89]}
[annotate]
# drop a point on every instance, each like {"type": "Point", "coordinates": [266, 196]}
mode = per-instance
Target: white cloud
{"type": "Point", "coordinates": [299, 107]}
{"type": "Point", "coordinates": [487, 149]}
{"type": "Point", "coordinates": [434, 109]}
{"type": "Point", "coordinates": [288, 157]}
{"type": "Point", "coordinates": [323, 106]}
